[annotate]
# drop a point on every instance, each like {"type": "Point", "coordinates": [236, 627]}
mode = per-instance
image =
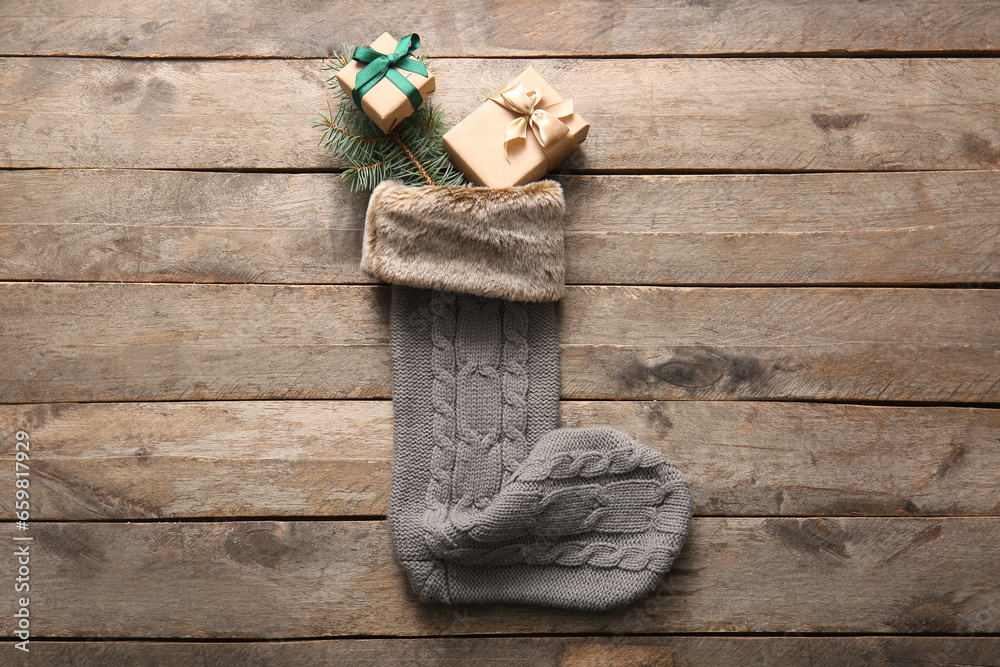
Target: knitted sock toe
{"type": "Point", "coordinates": [490, 501]}
{"type": "Point", "coordinates": [590, 520]}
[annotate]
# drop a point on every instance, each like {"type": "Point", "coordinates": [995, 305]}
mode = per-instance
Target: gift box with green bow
{"type": "Point", "coordinates": [517, 135]}
{"type": "Point", "coordinates": [386, 81]}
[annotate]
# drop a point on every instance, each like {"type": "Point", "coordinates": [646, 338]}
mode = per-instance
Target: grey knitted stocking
{"type": "Point", "coordinates": [491, 502]}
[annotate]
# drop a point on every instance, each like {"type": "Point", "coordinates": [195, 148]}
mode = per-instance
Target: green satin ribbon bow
{"type": "Point", "coordinates": [386, 65]}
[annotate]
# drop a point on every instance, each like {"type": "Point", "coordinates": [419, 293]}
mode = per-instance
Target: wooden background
{"type": "Point", "coordinates": [783, 246]}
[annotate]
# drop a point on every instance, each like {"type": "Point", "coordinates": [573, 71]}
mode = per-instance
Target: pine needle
{"type": "Point", "coordinates": [411, 153]}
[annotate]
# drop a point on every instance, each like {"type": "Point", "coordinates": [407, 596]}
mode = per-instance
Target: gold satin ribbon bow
{"type": "Point", "coordinates": [545, 121]}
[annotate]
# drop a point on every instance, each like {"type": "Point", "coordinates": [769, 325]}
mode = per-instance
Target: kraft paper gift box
{"type": "Point", "coordinates": [385, 103]}
{"type": "Point", "coordinates": [491, 149]}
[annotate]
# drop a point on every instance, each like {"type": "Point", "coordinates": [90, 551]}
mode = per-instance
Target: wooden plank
{"type": "Point", "coordinates": [870, 344]}
{"type": "Point", "coordinates": [872, 228]}
{"type": "Point", "coordinates": [140, 341]}
{"type": "Point", "coordinates": [316, 458]}
{"type": "Point", "coordinates": [326, 578]}
{"type": "Point", "coordinates": [188, 343]}
{"type": "Point", "coordinates": [674, 113]}
{"type": "Point", "coordinates": [676, 651]}
{"type": "Point", "coordinates": [202, 459]}
{"type": "Point", "coordinates": [127, 225]}
{"type": "Point", "coordinates": [312, 28]}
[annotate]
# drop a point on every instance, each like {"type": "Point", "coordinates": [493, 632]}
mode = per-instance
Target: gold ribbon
{"type": "Point", "coordinates": [545, 121]}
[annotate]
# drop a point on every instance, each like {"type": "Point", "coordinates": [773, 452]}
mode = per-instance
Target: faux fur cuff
{"type": "Point", "coordinates": [497, 242]}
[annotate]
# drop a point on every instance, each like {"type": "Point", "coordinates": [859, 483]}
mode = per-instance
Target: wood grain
{"type": "Point", "coordinates": [316, 458]}
{"type": "Point", "coordinates": [326, 578]}
{"type": "Point", "coordinates": [312, 28]}
{"type": "Point", "coordinates": [140, 341]}
{"type": "Point", "coordinates": [672, 113]}
{"type": "Point", "coordinates": [874, 228]}
{"type": "Point", "coordinates": [871, 344]}
{"type": "Point", "coordinates": [877, 523]}
{"type": "Point", "coordinates": [676, 651]}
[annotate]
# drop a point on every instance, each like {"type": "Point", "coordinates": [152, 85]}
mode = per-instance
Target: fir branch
{"type": "Point", "coordinates": [415, 155]}
{"type": "Point", "coordinates": [413, 159]}
{"type": "Point", "coordinates": [356, 137]}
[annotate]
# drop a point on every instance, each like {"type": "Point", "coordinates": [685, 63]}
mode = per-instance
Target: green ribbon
{"type": "Point", "coordinates": [381, 65]}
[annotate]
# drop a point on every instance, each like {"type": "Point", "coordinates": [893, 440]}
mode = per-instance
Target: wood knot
{"type": "Point", "coordinates": [980, 149]}
{"type": "Point", "coordinates": [929, 615]}
{"type": "Point", "coordinates": [695, 369]}
{"type": "Point", "coordinates": [838, 121]}
{"type": "Point", "coordinates": [256, 544]}
{"type": "Point", "coordinates": [691, 373]}
{"type": "Point", "coordinates": [952, 459]}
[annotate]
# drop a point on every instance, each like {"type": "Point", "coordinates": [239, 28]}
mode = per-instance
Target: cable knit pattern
{"type": "Point", "coordinates": [442, 397]}
{"type": "Point", "coordinates": [491, 502]}
{"type": "Point", "coordinates": [514, 387]}
{"type": "Point", "coordinates": [588, 464]}
{"type": "Point", "coordinates": [575, 554]}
